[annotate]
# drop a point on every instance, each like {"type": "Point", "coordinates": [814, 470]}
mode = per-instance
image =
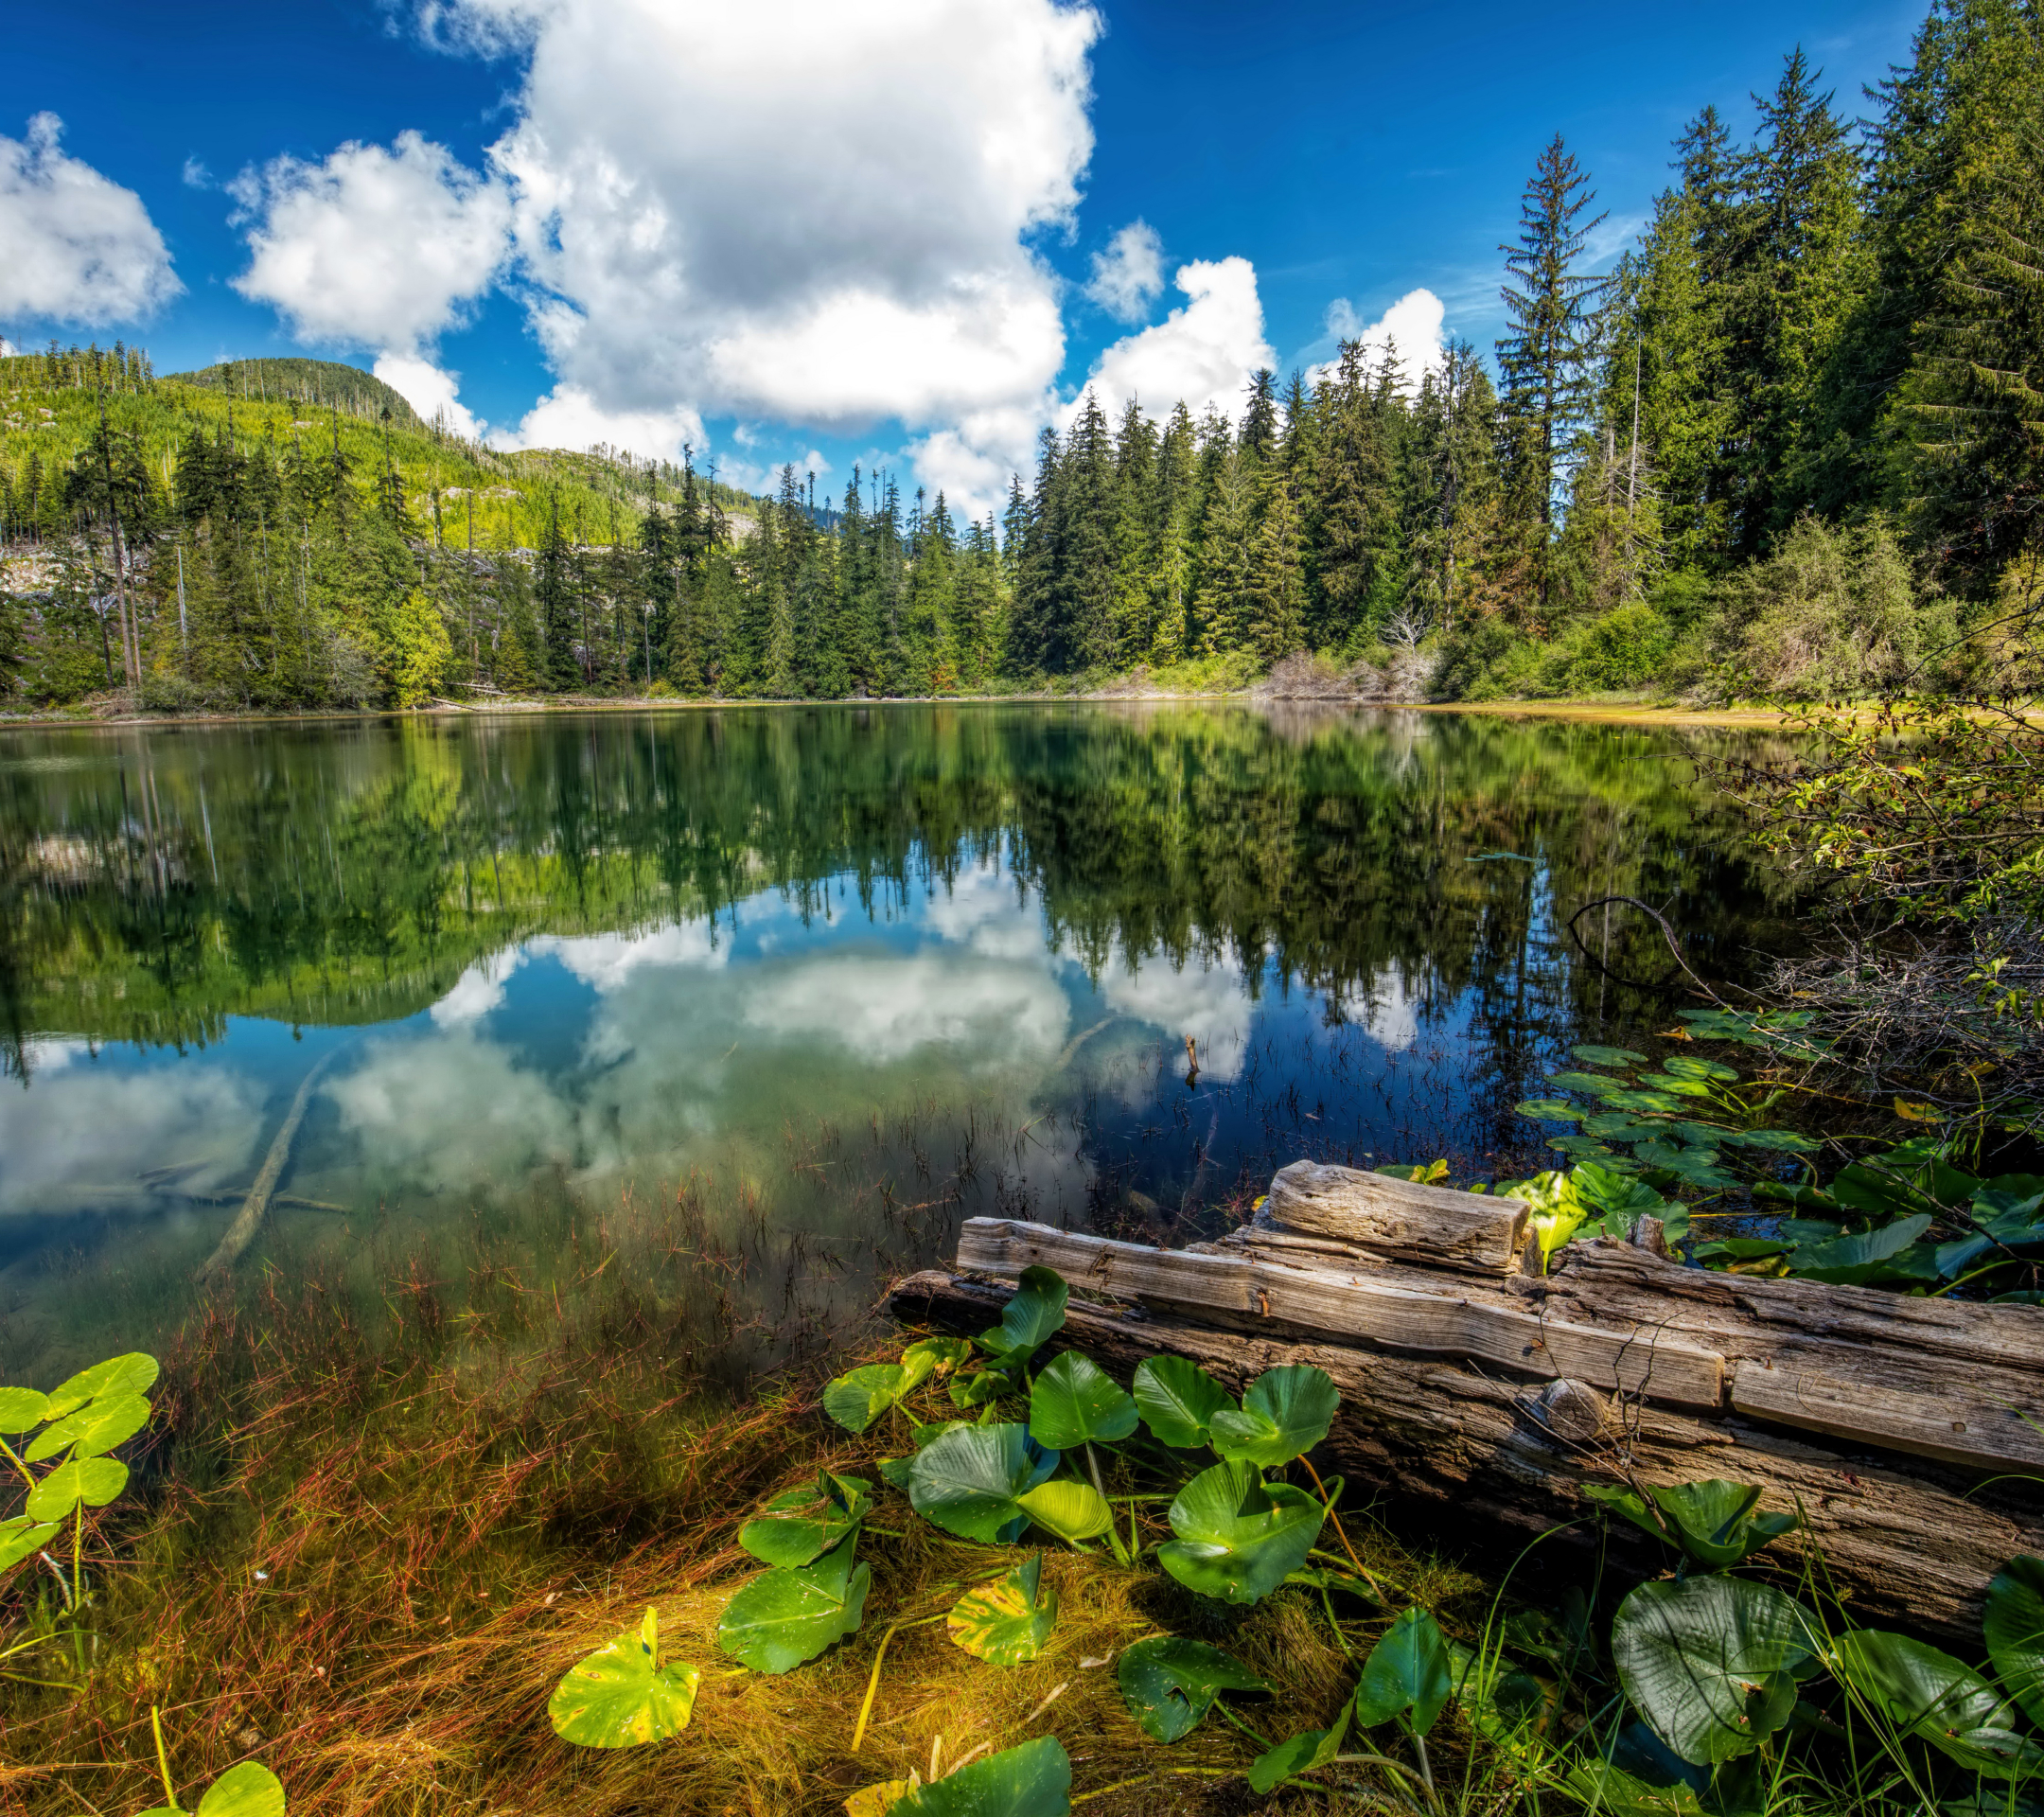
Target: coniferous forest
{"type": "Point", "coordinates": [1793, 444]}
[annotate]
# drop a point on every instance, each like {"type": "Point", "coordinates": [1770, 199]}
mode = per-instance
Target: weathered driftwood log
{"type": "Point", "coordinates": [248, 1221]}
{"type": "Point", "coordinates": [1485, 1400]}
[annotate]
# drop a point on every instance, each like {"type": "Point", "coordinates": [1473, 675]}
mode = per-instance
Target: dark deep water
{"type": "Point", "coordinates": [852, 973]}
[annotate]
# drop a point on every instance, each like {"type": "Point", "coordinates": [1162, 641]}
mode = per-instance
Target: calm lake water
{"type": "Point", "coordinates": [830, 979]}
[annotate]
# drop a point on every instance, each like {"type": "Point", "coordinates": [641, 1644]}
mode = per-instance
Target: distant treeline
{"type": "Point", "coordinates": [1795, 442]}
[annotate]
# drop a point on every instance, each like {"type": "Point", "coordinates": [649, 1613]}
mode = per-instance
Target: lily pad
{"type": "Point", "coordinates": [1937, 1698]}
{"type": "Point", "coordinates": [1406, 1677]}
{"type": "Point", "coordinates": [95, 1481]}
{"type": "Point", "coordinates": [970, 1482]}
{"type": "Point", "coordinates": [1712, 1662]}
{"type": "Point", "coordinates": [859, 1397]}
{"type": "Point", "coordinates": [2013, 1627]}
{"type": "Point", "coordinates": [1006, 1622]}
{"type": "Point", "coordinates": [1593, 1056]}
{"type": "Point", "coordinates": [1285, 1413]}
{"type": "Point", "coordinates": [1664, 1104]}
{"type": "Point", "coordinates": [1075, 1402]}
{"type": "Point", "coordinates": [21, 1537]}
{"type": "Point", "coordinates": [1685, 1066]}
{"type": "Point", "coordinates": [621, 1695]}
{"type": "Point", "coordinates": [118, 1376]}
{"type": "Point", "coordinates": [21, 1410]}
{"type": "Point", "coordinates": [1033, 1780]}
{"type": "Point", "coordinates": [1169, 1683]}
{"type": "Point", "coordinates": [94, 1428]}
{"type": "Point", "coordinates": [1033, 1313]}
{"type": "Point", "coordinates": [1715, 1521]}
{"type": "Point", "coordinates": [1239, 1536]}
{"type": "Point", "coordinates": [250, 1790]}
{"type": "Point", "coordinates": [1780, 1141]}
{"type": "Point", "coordinates": [803, 1523]}
{"type": "Point", "coordinates": [1855, 1261]}
{"type": "Point", "coordinates": [1583, 1081]}
{"type": "Point", "coordinates": [1178, 1400]}
{"type": "Point", "coordinates": [1550, 1110]}
{"type": "Point", "coordinates": [785, 1618]}
{"type": "Point", "coordinates": [944, 1354]}
{"type": "Point", "coordinates": [1300, 1753]}
{"type": "Point", "coordinates": [1071, 1510]}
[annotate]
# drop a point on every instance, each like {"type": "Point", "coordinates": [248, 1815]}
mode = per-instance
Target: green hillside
{"type": "Point", "coordinates": [322, 383]}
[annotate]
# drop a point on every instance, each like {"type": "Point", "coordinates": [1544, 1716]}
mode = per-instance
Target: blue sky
{"type": "Point", "coordinates": [827, 232]}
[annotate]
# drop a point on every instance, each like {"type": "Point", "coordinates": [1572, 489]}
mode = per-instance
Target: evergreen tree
{"type": "Point", "coordinates": [1258, 436]}
{"type": "Point", "coordinates": [555, 597]}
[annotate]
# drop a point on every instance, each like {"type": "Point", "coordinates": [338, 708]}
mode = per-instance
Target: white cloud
{"type": "Point", "coordinates": [1202, 352]}
{"type": "Point", "coordinates": [372, 248]}
{"type": "Point", "coordinates": [884, 1010]}
{"type": "Point", "coordinates": [568, 416]}
{"type": "Point", "coordinates": [477, 991]}
{"type": "Point", "coordinates": [429, 390]}
{"type": "Point", "coordinates": [1129, 276]}
{"type": "Point", "coordinates": [196, 175]}
{"type": "Point", "coordinates": [1210, 1002]}
{"type": "Point", "coordinates": [1412, 325]}
{"type": "Point", "coordinates": [79, 247]}
{"type": "Point", "coordinates": [606, 961]}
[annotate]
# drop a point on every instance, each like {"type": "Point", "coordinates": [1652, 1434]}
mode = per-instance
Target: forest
{"type": "Point", "coordinates": [1792, 446]}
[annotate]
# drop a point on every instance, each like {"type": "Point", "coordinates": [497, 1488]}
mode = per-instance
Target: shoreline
{"type": "Point", "coordinates": [1607, 713]}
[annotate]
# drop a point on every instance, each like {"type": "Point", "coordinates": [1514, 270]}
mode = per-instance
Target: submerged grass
{"type": "Point", "coordinates": [368, 1544]}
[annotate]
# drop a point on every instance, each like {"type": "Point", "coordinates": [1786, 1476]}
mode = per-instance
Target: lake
{"type": "Point", "coordinates": [784, 992]}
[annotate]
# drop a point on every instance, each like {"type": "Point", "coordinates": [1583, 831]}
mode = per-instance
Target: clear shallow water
{"type": "Point", "coordinates": [552, 965]}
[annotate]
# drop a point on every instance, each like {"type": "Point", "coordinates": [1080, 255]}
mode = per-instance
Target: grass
{"type": "Point", "coordinates": [368, 1549]}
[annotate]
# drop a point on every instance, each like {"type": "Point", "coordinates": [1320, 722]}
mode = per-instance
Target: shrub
{"type": "Point", "coordinates": [1628, 647]}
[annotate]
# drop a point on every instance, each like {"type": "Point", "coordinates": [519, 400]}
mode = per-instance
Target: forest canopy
{"type": "Point", "coordinates": [1791, 445]}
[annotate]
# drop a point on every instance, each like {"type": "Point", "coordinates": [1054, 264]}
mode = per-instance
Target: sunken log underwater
{"type": "Point", "coordinates": [1481, 1395]}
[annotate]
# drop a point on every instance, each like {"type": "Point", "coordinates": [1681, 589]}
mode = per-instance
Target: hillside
{"type": "Point", "coordinates": [324, 383]}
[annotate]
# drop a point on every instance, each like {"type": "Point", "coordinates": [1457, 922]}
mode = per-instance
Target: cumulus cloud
{"type": "Point", "coordinates": [884, 1010]}
{"type": "Point", "coordinates": [1412, 326]}
{"type": "Point", "coordinates": [79, 247]}
{"type": "Point", "coordinates": [430, 389]}
{"type": "Point", "coordinates": [372, 248]}
{"type": "Point", "coordinates": [1202, 352]}
{"type": "Point", "coordinates": [1210, 1002]}
{"type": "Point", "coordinates": [606, 961]}
{"type": "Point", "coordinates": [1129, 276]}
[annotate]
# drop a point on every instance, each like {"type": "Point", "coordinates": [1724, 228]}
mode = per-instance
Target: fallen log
{"type": "Point", "coordinates": [1482, 1399]}
{"type": "Point", "coordinates": [248, 1221]}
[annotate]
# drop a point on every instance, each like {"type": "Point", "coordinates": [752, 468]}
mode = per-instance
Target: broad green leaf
{"type": "Point", "coordinates": [1406, 1676]}
{"type": "Point", "coordinates": [1550, 1110]}
{"type": "Point", "coordinates": [970, 1482]}
{"type": "Point", "coordinates": [1932, 1695]}
{"type": "Point", "coordinates": [1619, 1126]}
{"type": "Point", "coordinates": [1686, 1066]}
{"type": "Point", "coordinates": [1583, 1082]}
{"type": "Point", "coordinates": [922, 1435]}
{"type": "Point", "coordinates": [1857, 1260]}
{"type": "Point", "coordinates": [1879, 1192]}
{"type": "Point", "coordinates": [1071, 1510]}
{"type": "Point", "coordinates": [1301, 1754]}
{"type": "Point", "coordinates": [1680, 1087]}
{"type": "Point", "coordinates": [1711, 1662]}
{"type": "Point", "coordinates": [1178, 1400]}
{"type": "Point", "coordinates": [1239, 1536]}
{"type": "Point", "coordinates": [944, 1353]}
{"type": "Point", "coordinates": [95, 1481]}
{"type": "Point", "coordinates": [1616, 1202]}
{"type": "Point", "coordinates": [1075, 1402]}
{"type": "Point", "coordinates": [21, 1410]}
{"type": "Point", "coordinates": [1555, 1210]}
{"type": "Point", "coordinates": [621, 1695]}
{"type": "Point", "coordinates": [1592, 1055]}
{"type": "Point", "coordinates": [1579, 1148]}
{"type": "Point", "coordinates": [785, 1618]}
{"type": "Point", "coordinates": [1033, 1313]}
{"type": "Point", "coordinates": [979, 1388]}
{"type": "Point", "coordinates": [1033, 1780]}
{"type": "Point", "coordinates": [1783, 1141]}
{"type": "Point", "coordinates": [1666, 1102]}
{"type": "Point", "coordinates": [94, 1428]}
{"type": "Point", "coordinates": [1006, 1622]}
{"type": "Point", "coordinates": [1169, 1683]}
{"type": "Point", "coordinates": [1713, 1521]}
{"type": "Point", "coordinates": [856, 1400]}
{"type": "Point", "coordinates": [21, 1538]}
{"type": "Point", "coordinates": [806, 1522]}
{"type": "Point", "coordinates": [250, 1790]}
{"type": "Point", "coordinates": [1285, 1413]}
{"type": "Point", "coordinates": [117, 1377]}
{"type": "Point", "coordinates": [2013, 1627]}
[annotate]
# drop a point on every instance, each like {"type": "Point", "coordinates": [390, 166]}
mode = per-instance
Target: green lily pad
{"type": "Point", "coordinates": [860, 1396]}
{"type": "Point", "coordinates": [1664, 1104]}
{"type": "Point", "coordinates": [22, 1537]}
{"type": "Point", "coordinates": [970, 1482]}
{"type": "Point", "coordinates": [1075, 1402]}
{"type": "Point", "coordinates": [1579, 1148]}
{"type": "Point", "coordinates": [1406, 1675]}
{"type": "Point", "coordinates": [1685, 1066]}
{"type": "Point", "coordinates": [785, 1618]}
{"type": "Point", "coordinates": [1178, 1400]}
{"type": "Point", "coordinates": [95, 1481]}
{"type": "Point", "coordinates": [1071, 1510]}
{"type": "Point", "coordinates": [942, 1355]}
{"type": "Point", "coordinates": [250, 1790]}
{"type": "Point", "coordinates": [1033, 1313]}
{"type": "Point", "coordinates": [1779, 1141]}
{"type": "Point", "coordinates": [1286, 1412]}
{"type": "Point", "coordinates": [1676, 1082]}
{"type": "Point", "coordinates": [1169, 1683]}
{"type": "Point", "coordinates": [1239, 1536]}
{"type": "Point", "coordinates": [1592, 1055]}
{"type": "Point", "coordinates": [1617, 1126]}
{"type": "Point", "coordinates": [1033, 1780]}
{"type": "Point", "coordinates": [803, 1523]}
{"type": "Point", "coordinates": [1583, 1081]}
{"type": "Point", "coordinates": [979, 1389]}
{"type": "Point", "coordinates": [1006, 1622]}
{"type": "Point", "coordinates": [117, 1377]}
{"type": "Point", "coordinates": [2014, 1628]}
{"type": "Point", "coordinates": [1550, 1110]}
{"type": "Point", "coordinates": [1936, 1697]}
{"type": "Point", "coordinates": [1715, 1521]}
{"type": "Point", "coordinates": [96, 1427]}
{"type": "Point", "coordinates": [621, 1695]}
{"type": "Point", "coordinates": [21, 1410]}
{"type": "Point", "coordinates": [1853, 1261]}
{"type": "Point", "coordinates": [1712, 1662]}
{"type": "Point", "coordinates": [1300, 1753]}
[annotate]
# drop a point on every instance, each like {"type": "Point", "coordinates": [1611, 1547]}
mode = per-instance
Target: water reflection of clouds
{"type": "Point", "coordinates": [992, 1013]}
{"type": "Point", "coordinates": [1207, 999]}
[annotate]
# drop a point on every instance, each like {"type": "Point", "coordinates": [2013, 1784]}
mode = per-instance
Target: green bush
{"type": "Point", "coordinates": [1628, 647]}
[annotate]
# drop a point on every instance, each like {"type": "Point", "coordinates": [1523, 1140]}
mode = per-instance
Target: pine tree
{"type": "Point", "coordinates": [1258, 436]}
{"type": "Point", "coordinates": [1221, 613]}
{"type": "Point", "coordinates": [555, 591]}
{"type": "Point", "coordinates": [1545, 357]}
{"type": "Point", "coordinates": [1273, 587]}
